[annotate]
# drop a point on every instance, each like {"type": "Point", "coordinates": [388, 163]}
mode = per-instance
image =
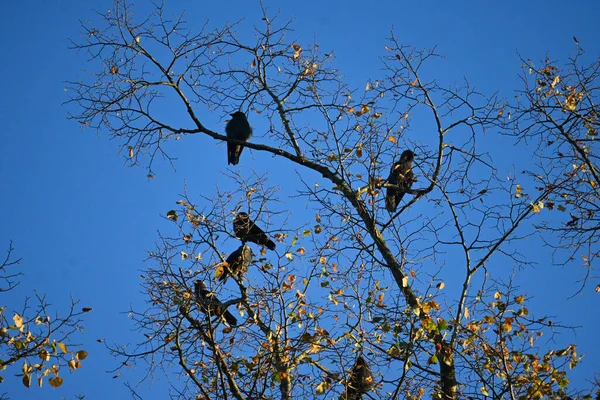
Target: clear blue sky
{"type": "Point", "coordinates": [81, 221]}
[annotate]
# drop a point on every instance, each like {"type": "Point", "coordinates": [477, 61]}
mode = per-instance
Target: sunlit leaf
{"type": "Point", "coordinates": [321, 387]}
{"type": "Point", "coordinates": [130, 151]}
{"type": "Point", "coordinates": [62, 347]}
{"type": "Point", "coordinates": [55, 381]}
{"type": "Point", "coordinates": [184, 255]}
{"type": "Point", "coordinates": [289, 256]}
{"type": "Point", "coordinates": [440, 285]}
{"type": "Point", "coordinates": [18, 321]}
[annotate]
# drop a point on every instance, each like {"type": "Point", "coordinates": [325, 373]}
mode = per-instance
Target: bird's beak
{"type": "Point", "coordinates": [231, 115]}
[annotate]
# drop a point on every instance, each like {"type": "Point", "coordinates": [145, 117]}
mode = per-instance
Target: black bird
{"type": "Point", "coordinates": [247, 231]}
{"type": "Point", "coordinates": [210, 305]}
{"type": "Point", "coordinates": [402, 176]}
{"type": "Point", "coordinates": [360, 381]}
{"type": "Point", "coordinates": [238, 261]}
{"type": "Point", "coordinates": [237, 128]}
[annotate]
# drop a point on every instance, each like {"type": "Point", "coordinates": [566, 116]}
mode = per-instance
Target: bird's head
{"type": "Point", "coordinates": [407, 155]}
{"type": "Point", "coordinates": [242, 216]}
{"type": "Point", "coordinates": [199, 285]}
{"type": "Point", "coordinates": [238, 114]}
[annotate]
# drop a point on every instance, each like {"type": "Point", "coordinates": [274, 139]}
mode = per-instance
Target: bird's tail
{"type": "Point", "coordinates": [270, 244]}
{"type": "Point", "coordinates": [390, 201]}
{"type": "Point", "coordinates": [233, 155]}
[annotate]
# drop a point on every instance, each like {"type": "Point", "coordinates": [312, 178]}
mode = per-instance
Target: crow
{"type": "Point", "coordinates": [402, 176]}
{"type": "Point", "coordinates": [247, 231]}
{"type": "Point", "coordinates": [360, 381]}
{"type": "Point", "coordinates": [238, 261]}
{"type": "Point", "coordinates": [237, 128]}
{"type": "Point", "coordinates": [210, 305]}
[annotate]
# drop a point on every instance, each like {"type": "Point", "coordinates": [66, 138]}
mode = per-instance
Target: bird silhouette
{"type": "Point", "coordinates": [210, 305]}
{"type": "Point", "coordinates": [402, 176]}
{"type": "Point", "coordinates": [238, 262]}
{"type": "Point", "coordinates": [247, 231]}
{"type": "Point", "coordinates": [360, 381]}
{"type": "Point", "coordinates": [237, 128]}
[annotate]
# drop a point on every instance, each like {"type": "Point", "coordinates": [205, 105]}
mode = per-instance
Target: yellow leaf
{"type": "Point", "coordinates": [377, 115]}
{"type": "Point", "coordinates": [219, 270]}
{"type": "Point", "coordinates": [365, 109]}
{"type": "Point", "coordinates": [392, 139]}
{"type": "Point", "coordinates": [518, 191]}
{"type": "Point", "coordinates": [18, 321]}
{"type": "Point", "coordinates": [300, 250]}
{"type": "Point", "coordinates": [536, 209]}
{"type": "Point", "coordinates": [130, 151]}
{"type": "Point", "coordinates": [289, 255]}
{"type": "Point", "coordinates": [321, 388]}
{"type": "Point", "coordinates": [184, 255]}
{"type": "Point", "coordinates": [322, 260]}
{"type": "Point", "coordinates": [55, 382]}
{"type": "Point", "coordinates": [466, 313]}
{"type": "Point", "coordinates": [414, 83]}
{"type": "Point", "coordinates": [81, 355]}
{"type": "Point", "coordinates": [440, 285]}
{"type": "Point", "coordinates": [555, 81]}
{"type": "Point", "coordinates": [62, 347]}
{"type": "Point", "coordinates": [72, 365]}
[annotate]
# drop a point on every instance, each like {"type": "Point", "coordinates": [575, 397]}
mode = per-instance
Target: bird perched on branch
{"type": "Point", "coordinates": [402, 176]}
{"type": "Point", "coordinates": [237, 128]}
{"type": "Point", "coordinates": [247, 231]}
{"type": "Point", "coordinates": [238, 262]}
{"type": "Point", "coordinates": [210, 305]}
{"type": "Point", "coordinates": [360, 381]}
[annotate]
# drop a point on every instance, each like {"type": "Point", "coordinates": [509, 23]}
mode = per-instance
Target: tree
{"type": "Point", "coordinates": [33, 338]}
{"type": "Point", "coordinates": [351, 278]}
{"type": "Point", "coordinates": [557, 113]}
